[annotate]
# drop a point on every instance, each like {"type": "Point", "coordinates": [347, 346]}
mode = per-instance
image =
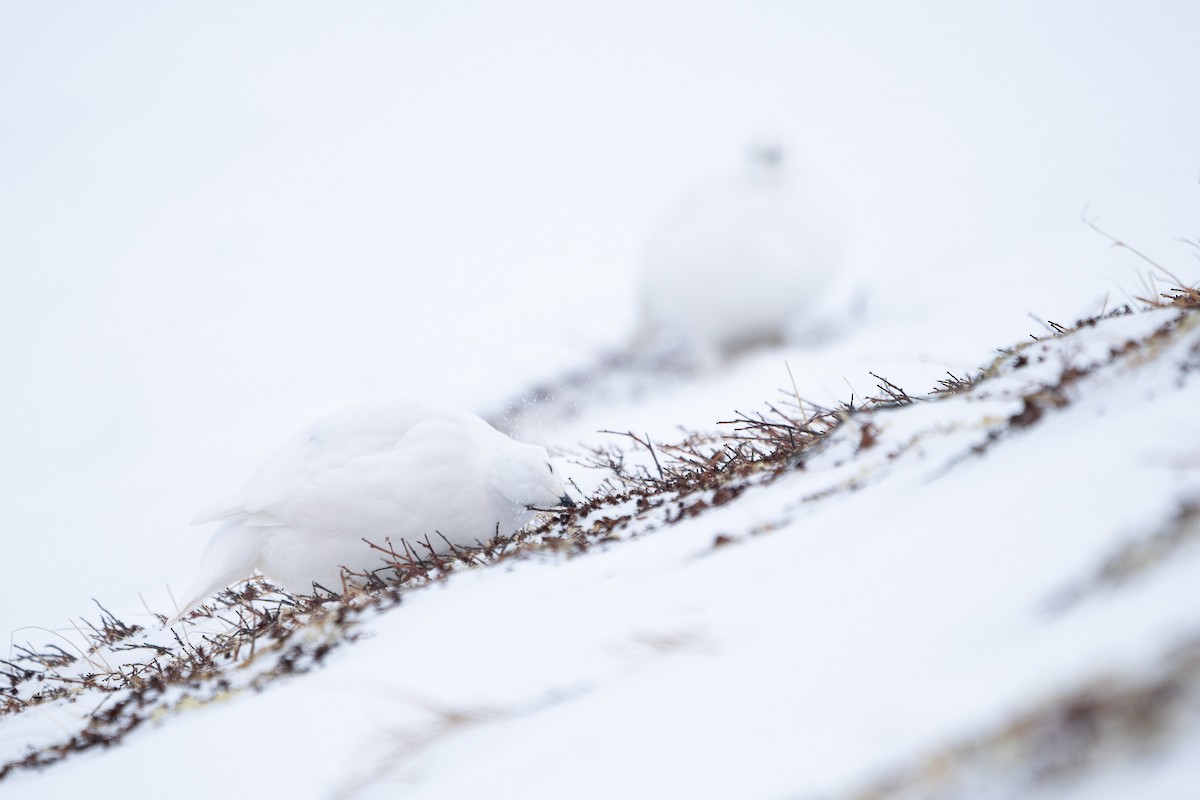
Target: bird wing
{"type": "Point", "coordinates": [315, 451]}
{"type": "Point", "coordinates": [234, 508]}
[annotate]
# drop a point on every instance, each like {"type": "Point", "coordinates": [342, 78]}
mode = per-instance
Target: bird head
{"type": "Point", "coordinates": [525, 476]}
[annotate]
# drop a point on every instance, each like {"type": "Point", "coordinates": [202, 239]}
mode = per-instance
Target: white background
{"type": "Point", "coordinates": [221, 220]}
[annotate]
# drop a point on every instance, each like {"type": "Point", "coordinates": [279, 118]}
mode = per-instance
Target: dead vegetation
{"type": "Point", "coordinates": [1180, 295]}
{"type": "Point", "coordinates": [1135, 558]}
{"type": "Point", "coordinates": [259, 623]}
{"type": "Point", "coordinates": [1080, 731]}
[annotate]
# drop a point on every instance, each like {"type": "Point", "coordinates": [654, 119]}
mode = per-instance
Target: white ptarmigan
{"type": "Point", "coordinates": [387, 470]}
{"type": "Point", "coordinates": [737, 262]}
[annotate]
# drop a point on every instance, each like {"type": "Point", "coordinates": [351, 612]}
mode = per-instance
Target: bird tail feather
{"type": "Point", "coordinates": [234, 553]}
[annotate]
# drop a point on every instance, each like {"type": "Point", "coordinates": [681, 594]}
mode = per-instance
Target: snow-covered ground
{"type": "Point", "coordinates": [222, 222]}
{"type": "Point", "coordinates": [999, 582]}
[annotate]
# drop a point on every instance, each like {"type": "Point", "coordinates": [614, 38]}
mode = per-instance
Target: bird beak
{"type": "Point", "coordinates": [566, 502]}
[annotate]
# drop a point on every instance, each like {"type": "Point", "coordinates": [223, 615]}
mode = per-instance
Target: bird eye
{"type": "Point", "coordinates": [551, 468]}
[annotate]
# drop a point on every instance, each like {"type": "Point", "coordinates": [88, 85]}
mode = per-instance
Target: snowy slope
{"type": "Point", "coordinates": [988, 592]}
{"type": "Point", "coordinates": [219, 221]}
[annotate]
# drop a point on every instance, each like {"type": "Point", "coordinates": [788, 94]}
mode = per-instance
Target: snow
{"type": "Point", "coordinates": [223, 221]}
{"type": "Point", "coordinates": [662, 664]}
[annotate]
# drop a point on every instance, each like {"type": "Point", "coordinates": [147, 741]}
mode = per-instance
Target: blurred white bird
{"type": "Point", "coordinates": [389, 470]}
{"type": "Point", "coordinates": [736, 263]}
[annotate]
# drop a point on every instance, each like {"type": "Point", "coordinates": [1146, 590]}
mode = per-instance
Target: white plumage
{"type": "Point", "coordinates": [735, 263]}
{"type": "Point", "coordinates": [388, 470]}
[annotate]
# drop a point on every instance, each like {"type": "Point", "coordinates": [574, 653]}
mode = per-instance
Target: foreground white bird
{"type": "Point", "coordinates": [395, 470]}
{"type": "Point", "coordinates": [736, 263]}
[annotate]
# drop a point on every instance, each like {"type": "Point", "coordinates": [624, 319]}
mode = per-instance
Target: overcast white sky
{"type": "Point", "coordinates": [220, 220]}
